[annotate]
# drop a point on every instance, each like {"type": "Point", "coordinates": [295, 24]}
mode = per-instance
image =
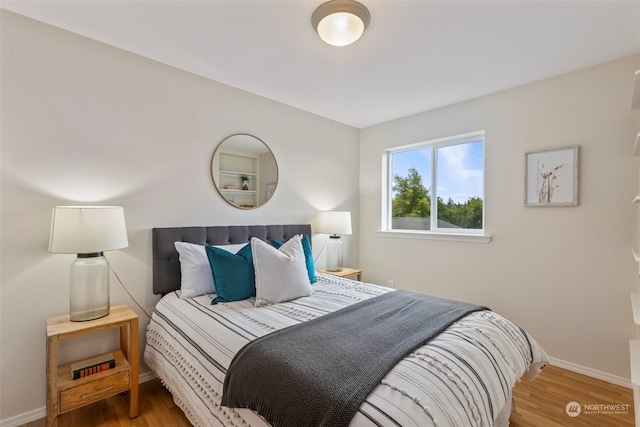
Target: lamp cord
{"type": "Point", "coordinates": [125, 288]}
{"type": "Point", "coordinates": [320, 253]}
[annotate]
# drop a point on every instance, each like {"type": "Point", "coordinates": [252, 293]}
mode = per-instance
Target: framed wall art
{"type": "Point", "coordinates": [551, 177]}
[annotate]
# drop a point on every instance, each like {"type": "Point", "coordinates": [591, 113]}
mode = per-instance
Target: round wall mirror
{"type": "Point", "coordinates": [244, 171]}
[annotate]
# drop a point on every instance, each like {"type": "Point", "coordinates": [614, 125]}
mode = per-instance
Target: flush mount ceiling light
{"type": "Point", "coordinates": [340, 22]}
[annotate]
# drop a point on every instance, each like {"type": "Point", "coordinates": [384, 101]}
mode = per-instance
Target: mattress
{"type": "Point", "coordinates": [462, 377]}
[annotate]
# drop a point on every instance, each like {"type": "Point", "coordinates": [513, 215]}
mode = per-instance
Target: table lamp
{"type": "Point", "coordinates": [88, 231]}
{"type": "Point", "coordinates": [334, 223]}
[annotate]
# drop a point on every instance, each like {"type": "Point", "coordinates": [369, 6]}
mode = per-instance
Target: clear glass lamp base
{"type": "Point", "coordinates": [89, 291]}
{"type": "Point", "coordinates": [334, 253]}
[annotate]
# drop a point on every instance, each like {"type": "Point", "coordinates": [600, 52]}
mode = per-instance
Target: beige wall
{"type": "Point", "coordinates": [564, 274]}
{"type": "Point", "coordinates": [86, 123]}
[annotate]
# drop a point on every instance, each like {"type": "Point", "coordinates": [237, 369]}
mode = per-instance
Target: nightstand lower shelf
{"type": "Point", "coordinates": [83, 391]}
{"type": "Point", "coordinates": [65, 394]}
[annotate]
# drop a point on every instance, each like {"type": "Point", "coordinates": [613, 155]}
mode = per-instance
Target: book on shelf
{"type": "Point", "coordinates": [92, 366]}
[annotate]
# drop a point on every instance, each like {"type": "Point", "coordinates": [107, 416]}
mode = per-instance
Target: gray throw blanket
{"type": "Point", "coordinates": [319, 372]}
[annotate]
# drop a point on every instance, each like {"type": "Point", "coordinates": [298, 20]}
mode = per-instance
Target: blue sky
{"type": "Point", "coordinates": [459, 173]}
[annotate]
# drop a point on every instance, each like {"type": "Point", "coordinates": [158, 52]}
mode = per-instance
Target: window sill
{"type": "Point", "coordinates": [427, 235]}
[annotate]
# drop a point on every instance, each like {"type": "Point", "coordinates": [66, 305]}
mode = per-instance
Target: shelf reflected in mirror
{"type": "Point", "coordinates": [244, 171]}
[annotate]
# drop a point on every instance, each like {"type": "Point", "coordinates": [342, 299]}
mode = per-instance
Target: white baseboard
{"type": "Point", "coordinates": [25, 418]}
{"type": "Point", "coordinates": [147, 376]}
{"type": "Point", "coordinates": [40, 413]}
{"type": "Point", "coordinates": [613, 379]}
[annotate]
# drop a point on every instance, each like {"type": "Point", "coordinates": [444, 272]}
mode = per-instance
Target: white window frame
{"type": "Point", "coordinates": [435, 233]}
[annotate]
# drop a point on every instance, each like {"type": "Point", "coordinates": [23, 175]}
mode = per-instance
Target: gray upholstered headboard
{"type": "Point", "coordinates": [166, 263]}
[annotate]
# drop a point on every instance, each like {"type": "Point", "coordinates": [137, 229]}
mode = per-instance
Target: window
{"type": "Point", "coordinates": [436, 186]}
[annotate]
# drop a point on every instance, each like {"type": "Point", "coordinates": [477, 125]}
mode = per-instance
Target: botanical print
{"type": "Point", "coordinates": [546, 182]}
{"type": "Point", "coordinates": [551, 177]}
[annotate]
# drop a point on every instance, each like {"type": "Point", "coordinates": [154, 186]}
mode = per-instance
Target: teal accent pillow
{"type": "Point", "coordinates": [308, 256]}
{"type": "Point", "coordinates": [233, 274]}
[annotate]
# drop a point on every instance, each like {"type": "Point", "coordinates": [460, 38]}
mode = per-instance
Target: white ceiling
{"type": "Point", "coordinates": [415, 55]}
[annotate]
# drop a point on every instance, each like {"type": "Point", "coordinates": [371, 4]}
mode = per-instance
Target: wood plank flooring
{"type": "Point", "coordinates": [540, 403]}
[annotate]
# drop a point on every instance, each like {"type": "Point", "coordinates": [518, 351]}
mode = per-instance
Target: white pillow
{"type": "Point", "coordinates": [195, 268]}
{"type": "Point", "coordinates": [281, 274]}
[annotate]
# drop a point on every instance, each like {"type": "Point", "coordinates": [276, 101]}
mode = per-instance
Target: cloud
{"type": "Point", "coordinates": [461, 162]}
{"type": "Point", "coordinates": [460, 172]}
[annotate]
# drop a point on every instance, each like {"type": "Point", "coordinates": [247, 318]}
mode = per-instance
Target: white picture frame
{"type": "Point", "coordinates": [551, 177]}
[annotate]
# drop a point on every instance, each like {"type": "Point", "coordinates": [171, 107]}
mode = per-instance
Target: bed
{"type": "Point", "coordinates": [463, 376]}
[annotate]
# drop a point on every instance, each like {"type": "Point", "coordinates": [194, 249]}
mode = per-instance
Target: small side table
{"type": "Point", "coordinates": [64, 393]}
{"type": "Point", "coordinates": [345, 272]}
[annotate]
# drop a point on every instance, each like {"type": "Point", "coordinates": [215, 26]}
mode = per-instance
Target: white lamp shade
{"type": "Point", "coordinates": [334, 222]}
{"type": "Point", "coordinates": [87, 229]}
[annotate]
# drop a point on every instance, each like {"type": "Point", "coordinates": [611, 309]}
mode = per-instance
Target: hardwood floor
{"type": "Point", "coordinates": [540, 403]}
{"type": "Point", "coordinates": [543, 402]}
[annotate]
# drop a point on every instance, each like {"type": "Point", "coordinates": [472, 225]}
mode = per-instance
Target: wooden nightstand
{"type": "Point", "coordinates": [345, 272]}
{"type": "Point", "coordinates": [64, 393]}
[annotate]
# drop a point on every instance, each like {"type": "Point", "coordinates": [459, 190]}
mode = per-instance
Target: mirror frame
{"type": "Point", "coordinates": [219, 148]}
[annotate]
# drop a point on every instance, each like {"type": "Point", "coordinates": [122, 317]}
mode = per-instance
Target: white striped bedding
{"type": "Point", "coordinates": [463, 377]}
